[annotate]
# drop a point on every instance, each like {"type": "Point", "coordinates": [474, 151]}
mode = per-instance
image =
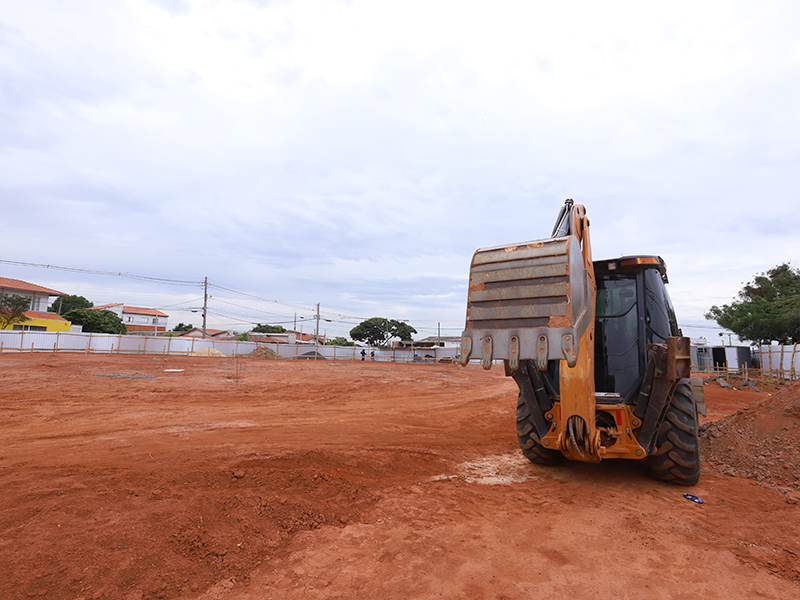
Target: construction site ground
{"type": "Point", "coordinates": [139, 477]}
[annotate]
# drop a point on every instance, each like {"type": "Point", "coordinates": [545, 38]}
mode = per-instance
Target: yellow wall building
{"type": "Point", "coordinates": [38, 318]}
{"type": "Point", "coordinates": [42, 322]}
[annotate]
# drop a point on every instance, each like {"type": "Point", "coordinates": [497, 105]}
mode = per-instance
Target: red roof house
{"type": "Point", "coordinates": [136, 319]}
{"type": "Point", "coordinates": [39, 295]}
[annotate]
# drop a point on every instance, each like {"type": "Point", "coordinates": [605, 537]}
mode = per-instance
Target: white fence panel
{"type": "Point", "coordinates": [101, 342]}
{"type": "Point", "coordinates": [781, 361]}
{"type": "Point", "coordinates": [424, 355]}
{"type": "Point", "coordinates": [41, 341]}
{"type": "Point", "coordinates": [25, 340]}
{"type": "Point", "coordinates": [36, 341]}
{"type": "Point", "coordinates": [235, 348]}
{"type": "Point", "coordinates": [66, 342]}
{"type": "Point", "coordinates": [179, 345]}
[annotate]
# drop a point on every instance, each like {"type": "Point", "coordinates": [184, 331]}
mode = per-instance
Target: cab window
{"type": "Point", "coordinates": [659, 314]}
{"type": "Point", "coordinates": [616, 334]}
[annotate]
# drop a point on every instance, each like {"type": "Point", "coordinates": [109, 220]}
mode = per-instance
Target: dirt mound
{"type": "Point", "coordinates": [208, 352]}
{"type": "Point", "coordinates": [262, 352]}
{"type": "Point", "coordinates": [760, 441]}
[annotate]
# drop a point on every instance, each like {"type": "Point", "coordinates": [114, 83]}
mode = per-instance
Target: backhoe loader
{"type": "Point", "coordinates": [594, 347]}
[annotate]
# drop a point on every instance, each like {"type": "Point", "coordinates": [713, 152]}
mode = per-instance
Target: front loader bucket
{"type": "Point", "coordinates": [531, 301]}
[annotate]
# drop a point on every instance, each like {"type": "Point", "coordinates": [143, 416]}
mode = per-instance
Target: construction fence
{"type": "Point", "coordinates": [779, 362]}
{"type": "Point", "coordinates": [776, 363]}
{"type": "Point", "coordinates": [89, 343]}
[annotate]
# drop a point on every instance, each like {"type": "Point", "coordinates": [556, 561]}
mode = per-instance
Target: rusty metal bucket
{"type": "Point", "coordinates": [530, 301]}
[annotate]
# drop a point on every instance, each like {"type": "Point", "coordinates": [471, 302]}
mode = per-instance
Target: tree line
{"type": "Point", "coordinates": [767, 308]}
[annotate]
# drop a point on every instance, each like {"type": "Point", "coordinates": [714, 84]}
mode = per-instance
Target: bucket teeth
{"type": "Point", "coordinates": [466, 350]}
{"type": "Point", "coordinates": [486, 359]}
{"type": "Point", "coordinates": [542, 353]}
{"type": "Point", "coordinates": [513, 353]}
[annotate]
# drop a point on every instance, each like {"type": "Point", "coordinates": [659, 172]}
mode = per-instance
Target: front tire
{"type": "Point", "coordinates": [531, 449]}
{"type": "Point", "coordinates": [677, 455]}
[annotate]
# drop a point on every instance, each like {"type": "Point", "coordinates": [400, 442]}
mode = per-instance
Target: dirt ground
{"type": "Point", "coordinates": [254, 479]}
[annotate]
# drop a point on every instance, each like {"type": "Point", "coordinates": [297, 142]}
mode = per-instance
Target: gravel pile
{"type": "Point", "coordinates": [208, 352]}
{"type": "Point", "coordinates": [262, 352]}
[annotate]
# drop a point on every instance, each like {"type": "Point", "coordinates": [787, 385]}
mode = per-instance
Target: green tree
{"type": "Point", "coordinates": [378, 331]}
{"type": "Point", "coordinates": [67, 303]}
{"type": "Point", "coordinates": [243, 338]}
{"type": "Point", "coordinates": [768, 308]}
{"type": "Point", "coordinates": [339, 341]}
{"type": "Point", "coordinates": [12, 310]}
{"type": "Point", "coordinates": [268, 329]}
{"type": "Point", "coordinates": [96, 321]}
{"type": "Point", "coordinates": [181, 327]}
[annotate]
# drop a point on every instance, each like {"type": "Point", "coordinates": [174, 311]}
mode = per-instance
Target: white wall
{"type": "Point", "coordinates": [780, 358]}
{"type": "Point", "coordinates": [39, 301]}
{"type": "Point", "coordinates": [17, 341]}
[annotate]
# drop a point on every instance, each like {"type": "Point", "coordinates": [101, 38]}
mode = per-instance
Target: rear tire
{"type": "Point", "coordinates": [677, 455]}
{"type": "Point", "coordinates": [533, 450]}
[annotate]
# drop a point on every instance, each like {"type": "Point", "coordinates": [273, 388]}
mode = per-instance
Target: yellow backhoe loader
{"type": "Point", "coordinates": [594, 347]}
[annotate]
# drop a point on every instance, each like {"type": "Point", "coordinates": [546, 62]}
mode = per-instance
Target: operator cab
{"type": "Point", "coordinates": [633, 309]}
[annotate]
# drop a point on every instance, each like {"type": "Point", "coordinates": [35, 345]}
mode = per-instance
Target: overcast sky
{"type": "Point", "coordinates": [356, 154]}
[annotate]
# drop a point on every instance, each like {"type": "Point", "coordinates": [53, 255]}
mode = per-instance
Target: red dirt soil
{"type": "Point", "coordinates": [256, 479]}
{"type": "Point", "coordinates": [761, 440]}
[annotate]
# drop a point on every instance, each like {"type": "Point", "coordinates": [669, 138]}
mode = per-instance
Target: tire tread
{"type": "Point", "coordinates": [677, 455]}
{"type": "Point", "coordinates": [531, 449]}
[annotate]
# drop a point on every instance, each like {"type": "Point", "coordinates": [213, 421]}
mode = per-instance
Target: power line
{"type": "Point", "coordinates": [290, 305]}
{"type": "Point", "coordinates": [180, 303]}
{"type": "Point", "coordinates": [163, 280]}
{"type": "Point", "coordinates": [254, 297]}
{"type": "Point", "coordinates": [329, 316]}
{"type": "Point", "coordinates": [237, 320]}
{"type": "Point", "coordinates": [250, 308]}
{"type": "Point", "coordinates": [107, 273]}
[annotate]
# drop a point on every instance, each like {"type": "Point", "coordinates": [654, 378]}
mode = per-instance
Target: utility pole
{"type": "Point", "coordinates": [295, 321]}
{"type": "Point", "coordinates": [316, 332]}
{"type": "Point", "coordinates": [205, 304]}
{"type": "Point", "coordinates": [439, 334]}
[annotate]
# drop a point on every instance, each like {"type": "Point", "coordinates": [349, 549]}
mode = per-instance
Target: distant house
{"type": "Point", "coordinates": [136, 319]}
{"type": "Point", "coordinates": [210, 333]}
{"type": "Point", "coordinates": [287, 337]}
{"type": "Point", "coordinates": [443, 341]}
{"type": "Point", "coordinates": [38, 317]}
{"type": "Point", "coordinates": [305, 338]}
